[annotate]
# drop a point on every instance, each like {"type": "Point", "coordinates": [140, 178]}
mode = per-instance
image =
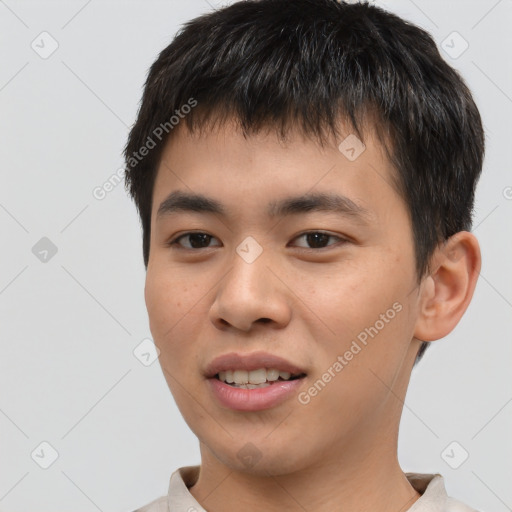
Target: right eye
{"type": "Point", "coordinates": [197, 240]}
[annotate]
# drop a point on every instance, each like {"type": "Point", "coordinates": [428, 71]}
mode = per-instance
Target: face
{"type": "Point", "coordinates": [327, 286]}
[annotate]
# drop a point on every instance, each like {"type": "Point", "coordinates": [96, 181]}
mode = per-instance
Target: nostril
{"type": "Point", "coordinates": [265, 320]}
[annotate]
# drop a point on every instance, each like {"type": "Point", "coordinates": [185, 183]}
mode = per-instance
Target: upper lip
{"type": "Point", "coordinates": [249, 362]}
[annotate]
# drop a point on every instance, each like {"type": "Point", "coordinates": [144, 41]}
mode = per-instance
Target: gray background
{"type": "Point", "coordinates": [70, 323]}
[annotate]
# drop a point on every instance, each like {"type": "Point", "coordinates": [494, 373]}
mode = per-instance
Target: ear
{"type": "Point", "coordinates": [447, 291]}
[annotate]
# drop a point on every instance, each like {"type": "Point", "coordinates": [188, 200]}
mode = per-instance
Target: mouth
{"type": "Point", "coordinates": [252, 368]}
{"type": "Point", "coordinates": [253, 382]}
{"type": "Point", "coordinates": [256, 379]}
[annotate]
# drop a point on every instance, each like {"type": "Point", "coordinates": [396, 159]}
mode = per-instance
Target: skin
{"type": "Point", "coordinates": [341, 447]}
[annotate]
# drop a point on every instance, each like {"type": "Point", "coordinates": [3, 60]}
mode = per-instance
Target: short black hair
{"type": "Point", "coordinates": [309, 64]}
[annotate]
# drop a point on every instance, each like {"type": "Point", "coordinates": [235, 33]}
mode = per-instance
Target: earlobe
{"type": "Point", "coordinates": [448, 290]}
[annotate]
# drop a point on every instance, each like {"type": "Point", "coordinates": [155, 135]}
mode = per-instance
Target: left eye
{"type": "Point", "coordinates": [317, 239]}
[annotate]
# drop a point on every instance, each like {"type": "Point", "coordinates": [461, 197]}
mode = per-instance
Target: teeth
{"type": "Point", "coordinates": [258, 376]}
{"type": "Point", "coordinates": [241, 378]}
{"type": "Point", "coordinates": [254, 386]}
{"type": "Point", "coordinates": [272, 374]}
{"type": "Point", "coordinates": [251, 386]}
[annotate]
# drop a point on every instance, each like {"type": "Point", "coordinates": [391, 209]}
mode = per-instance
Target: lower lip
{"type": "Point", "coordinates": [254, 399]}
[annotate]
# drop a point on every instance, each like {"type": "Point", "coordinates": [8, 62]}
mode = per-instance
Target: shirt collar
{"type": "Point", "coordinates": [430, 486]}
{"type": "Point", "coordinates": [179, 497]}
{"type": "Point", "coordinates": [432, 490]}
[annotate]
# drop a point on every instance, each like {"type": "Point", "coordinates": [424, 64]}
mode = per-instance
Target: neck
{"type": "Point", "coordinates": [354, 481]}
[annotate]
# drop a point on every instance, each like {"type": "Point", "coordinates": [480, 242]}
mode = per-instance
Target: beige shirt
{"type": "Point", "coordinates": [431, 487]}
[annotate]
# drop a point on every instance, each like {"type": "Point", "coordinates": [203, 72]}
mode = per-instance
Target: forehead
{"type": "Point", "coordinates": [343, 173]}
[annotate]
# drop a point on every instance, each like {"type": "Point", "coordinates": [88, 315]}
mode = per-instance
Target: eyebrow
{"type": "Point", "coordinates": [179, 201]}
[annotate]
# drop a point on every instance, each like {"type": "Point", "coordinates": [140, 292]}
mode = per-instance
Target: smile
{"type": "Point", "coordinates": [254, 379]}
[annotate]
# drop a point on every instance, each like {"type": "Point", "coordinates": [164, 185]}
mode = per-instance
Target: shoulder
{"type": "Point", "coordinates": [453, 505]}
{"type": "Point", "coordinates": [433, 495]}
{"type": "Point", "coordinates": [158, 505]}
{"type": "Point", "coordinates": [178, 496]}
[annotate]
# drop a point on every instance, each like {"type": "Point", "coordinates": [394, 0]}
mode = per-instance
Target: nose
{"type": "Point", "coordinates": [250, 293]}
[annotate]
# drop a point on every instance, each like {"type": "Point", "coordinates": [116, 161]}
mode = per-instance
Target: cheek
{"type": "Point", "coordinates": [369, 305]}
{"type": "Point", "coordinates": [361, 365]}
{"type": "Point", "coordinates": [352, 297]}
{"type": "Point", "coordinates": [170, 305]}
{"type": "Point", "coordinates": [173, 310]}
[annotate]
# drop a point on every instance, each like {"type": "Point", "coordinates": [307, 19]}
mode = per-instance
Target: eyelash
{"type": "Point", "coordinates": [174, 242]}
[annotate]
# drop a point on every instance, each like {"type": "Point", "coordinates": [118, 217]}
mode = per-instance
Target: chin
{"type": "Point", "coordinates": [254, 459]}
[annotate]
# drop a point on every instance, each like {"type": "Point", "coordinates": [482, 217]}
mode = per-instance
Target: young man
{"type": "Point", "coordinates": [305, 175]}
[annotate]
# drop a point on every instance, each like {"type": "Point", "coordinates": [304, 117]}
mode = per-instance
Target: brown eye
{"type": "Point", "coordinates": [196, 240]}
{"type": "Point", "coordinates": [318, 239]}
